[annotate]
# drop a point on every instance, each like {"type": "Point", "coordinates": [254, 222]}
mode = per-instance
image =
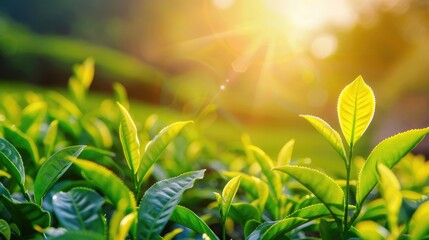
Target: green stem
{"type": "Point", "coordinates": [355, 215]}
{"type": "Point", "coordinates": [346, 210]}
{"type": "Point", "coordinates": [136, 185]}
{"type": "Point", "coordinates": [224, 230]}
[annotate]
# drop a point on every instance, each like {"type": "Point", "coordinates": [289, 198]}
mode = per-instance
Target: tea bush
{"type": "Point", "coordinates": [69, 171]}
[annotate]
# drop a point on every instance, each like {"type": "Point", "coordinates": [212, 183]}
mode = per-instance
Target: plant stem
{"type": "Point", "coordinates": [136, 185]}
{"type": "Point", "coordinates": [355, 215]}
{"type": "Point", "coordinates": [224, 230]}
{"type": "Point", "coordinates": [346, 210]}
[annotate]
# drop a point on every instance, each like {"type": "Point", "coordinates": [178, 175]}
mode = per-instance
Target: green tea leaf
{"type": "Point", "coordinates": [356, 107]}
{"type": "Point", "coordinates": [260, 230]}
{"type": "Point", "coordinates": [332, 136]}
{"type": "Point", "coordinates": [388, 152]}
{"type": "Point", "coordinates": [102, 157]}
{"type": "Point", "coordinates": [321, 185]}
{"type": "Point", "coordinates": [22, 142]}
{"type": "Point", "coordinates": [242, 212]}
{"type": "Point", "coordinates": [374, 210]}
{"type": "Point", "coordinates": [274, 180]}
{"type": "Point", "coordinates": [172, 234]}
{"type": "Point", "coordinates": [4, 191]}
{"type": "Point", "coordinates": [369, 230]}
{"type": "Point", "coordinates": [27, 216]}
{"type": "Point", "coordinates": [156, 147]}
{"type": "Point", "coordinates": [254, 187]}
{"type": "Point", "coordinates": [189, 219]}
{"type": "Point", "coordinates": [52, 169]}
{"type": "Point", "coordinates": [85, 72]}
{"type": "Point", "coordinates": [32, 118]}
{"type": "Point", "coordinates": [10, 158]}
{"type": "Point", "coordinates": [285, 154]}
{"type": "Point", "coordinates": [311, 212]}
{"type": "Point", "coordinates": [79, 209]}
{"type": "Point", "coordinates": [126, 224]}
{"type": "Point", "coordinates": [391, 192]}
{"type": "Point", "coordinates": [281, 227]}
{"type": "Point", "coordinates": [63, 104]}
{"type": "Point", "coordinates": [73, 235]}
{"type": "Point", "coordinates": [159, 202]}
{"type": "Point", "coordinates": [250, 227]}
{"type": "Point", "coordinates": [108, 183]}
{"type": "Point", "coordinates": [50, 138]}
{"type": "Point", "coordinates": [11, 108]}
{"type": "Point", "coordinates": [120, 223]}
{"type": "Point", "coordinates": [329, 230]}
{"type": "Point", "coordinates": [4, 229]}
{"type": "Point", "coordinates": [129, 139]}
{"type": "Point", "coordinates": [228, 195]}
{"type": "Point", "coordinates": [98, 131]}
{"type": "Point", "coordinates": [419, 224]}
{"type": "Point", "coordinates": [121, 95]}
{"type": "Point", "coordinates": [77, 90]}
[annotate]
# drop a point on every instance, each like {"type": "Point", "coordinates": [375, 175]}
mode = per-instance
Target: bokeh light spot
{"type": "Point", "coordinates": [324, 46]}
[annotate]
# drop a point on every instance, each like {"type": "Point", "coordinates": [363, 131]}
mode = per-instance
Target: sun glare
{"type": "Point", "coordinates": [267, 34]}
{"type": "Point", "coordinates": [274, 47]}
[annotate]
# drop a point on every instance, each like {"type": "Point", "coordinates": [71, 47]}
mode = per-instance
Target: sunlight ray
{"type": "Point", "coordinates": [242, 62]}
{"type": "Point", "coordinates": [207, 39]}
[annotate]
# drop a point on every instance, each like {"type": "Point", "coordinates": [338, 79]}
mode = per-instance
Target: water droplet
{"type": "Point", "coordinates": [222, 87]}
{"type": "Point", "coordinates": [227, 80]}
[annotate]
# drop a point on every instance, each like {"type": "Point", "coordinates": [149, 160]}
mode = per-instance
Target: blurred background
{"type": "Point", "coordinates": [261, 63]}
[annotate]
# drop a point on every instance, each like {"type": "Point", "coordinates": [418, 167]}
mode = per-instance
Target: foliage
{"type": "Point", "coordinates": [69, 171]}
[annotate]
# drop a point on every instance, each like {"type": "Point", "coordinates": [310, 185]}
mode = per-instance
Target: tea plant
{"type": "Point", "coordinates": [69, 171]}
{"type": "Point", "coordinates": [338, 206]}
{"type": "Point", "coordinates": [103, 205]}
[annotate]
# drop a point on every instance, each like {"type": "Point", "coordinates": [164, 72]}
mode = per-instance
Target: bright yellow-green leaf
{"type": "Point", "coordinates": [50, 138]}
{"type": "Point", "coordinates": [121, 95]}
{"type": "Point", "coordinates": [414, 196]}
{"type": "Point", "coordinates": [257, 189]}
{"type": "Point", "coordinates": [356, 107]}
{"type": "Point", "coordinates": [129, 139]}
{"type": "Point", "coordinates": [285, 154]}
{"type": "Point", "coordinates": [157, 145]}
{"type": "Point", "coordinates": [4, 174]}
{"type": "Point", "coordinates": [388, 152]}
{"type": "Point", "coordinates": [11, 108]}
{"type": "Point", "coordinates": [108, 183]}
{"type": "Point", "coordinates": [391, 192]}
{"type": "Point", "coordinates": [77, 90]}
{"type": "Point", "coordinates": [321, 185]}
{"type": "Point", "coordinates": [369, 230]}
{"type": "Point", "coordinates": [172, 234]}
{"type": "Point", "coordinates": [332, 136]}
{"type": "Point", "coordinates": [64, 104]}
{"type": "Point", "coordinates": [126, 224]}
{"type": "Point", "coordinates": [274, 180]}
{"type": "Point", "coordinates": [85, 72]}
{"type": "Point", "coordinates": [228, 195]}
{"type": "Point", "coordinates": [98, 131]}
{"type": "Point", "coordinates": [32, 118]}
{"type": "Point", "coordinates": [120, 223]}
{"type": "Point", "coordinates": [419, 224]}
